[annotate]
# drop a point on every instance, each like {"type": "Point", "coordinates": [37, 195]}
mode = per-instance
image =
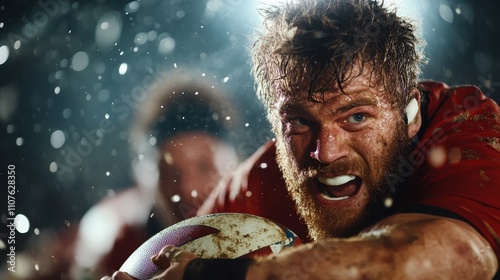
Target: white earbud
{"type": "Point", "coordinates": [411, 110]}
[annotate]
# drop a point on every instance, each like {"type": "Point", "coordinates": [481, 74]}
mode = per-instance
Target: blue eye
{"type": "Point", "coordinates": [356, 118]}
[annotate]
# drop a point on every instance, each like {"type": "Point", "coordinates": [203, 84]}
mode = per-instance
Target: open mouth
{"type": "Point", "coordinates": [340, 187]}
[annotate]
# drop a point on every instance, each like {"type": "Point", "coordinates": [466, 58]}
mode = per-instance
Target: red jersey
{"type": "Point", "coordinates": [453, 171]}
{"type": "Point", "coordinates": [257, 187]}
{"type": "Point", "coordinates": [456, 164]}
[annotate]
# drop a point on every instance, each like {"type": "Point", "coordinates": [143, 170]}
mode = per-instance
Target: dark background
{"type": "Point", "coordinates": [43, 96]}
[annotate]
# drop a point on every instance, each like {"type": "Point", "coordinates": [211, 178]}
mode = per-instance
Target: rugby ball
{"type": "Point", "coordinates": [223, 235]}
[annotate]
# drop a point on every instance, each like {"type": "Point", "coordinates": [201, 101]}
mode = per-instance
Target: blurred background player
{"type": "Point", "coordinates": [181, 144]}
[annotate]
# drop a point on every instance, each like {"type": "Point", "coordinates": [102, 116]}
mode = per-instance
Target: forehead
{"type": "Point", "coordinates": [361, 88]}
{"type": "Point", "coordinates": [191, 146]}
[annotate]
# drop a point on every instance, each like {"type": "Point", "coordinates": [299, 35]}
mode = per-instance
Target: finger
{"type": "Point", "coordinates": [175, 255]}
{"type": "Point", "coordinates": [165, 250]}
{"type": "Point", "coordinates": [163, 258]}
{"type": "Point", "coordinates": [120, 275]}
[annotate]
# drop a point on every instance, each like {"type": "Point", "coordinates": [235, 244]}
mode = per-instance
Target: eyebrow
{"type": "Point", "coordinates": [288, 106]}
{"type": "Point", "coordinates": [292, 105]}
{"type": "Point", "coordinates": [360, 101]}
{"type": "Point", "coordinates": [364, 101]}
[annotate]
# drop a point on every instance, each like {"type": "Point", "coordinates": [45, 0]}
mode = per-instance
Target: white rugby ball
{"type": "Point", "coordinates": [223, 235]}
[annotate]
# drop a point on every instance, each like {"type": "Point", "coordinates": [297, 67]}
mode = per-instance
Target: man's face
{"type": "Point", "coordinates": [191, 165]}
{"type": "Point", "coordinates": [334, 155]}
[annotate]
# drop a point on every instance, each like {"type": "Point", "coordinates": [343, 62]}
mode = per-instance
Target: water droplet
{"type": "Point", "coordinates": [108, 30]}
{"type": "Point", "coordinates": [176, 198]}
{"type": "Point", "coordinates": [123, 69]}
{"type": "Point", "coordinates": [66, 113]}
{"type": "Point", "coordinates": [153, 35]}
{"type": "Point", "coordinates": [57, 139]}
{"type": "Point", "coordinates": [4, 54]}
{"type": "Point", "coordinates": [180, 14]}
{"type": "Point", "coordinates": [53, 167]}
{"type": "Point", "coordinates": [437, 157]}
{"type": "Point", "coordinates": [194, 193]}
{"type": "Point", "coordinates": [19, 141]}
{"type": "Point", "coordinates": [166, 46]}
{"type": "Point", "coordinates": [17, 44]}
{"type": "Point", "coordinates": [132, 7]}
{"type": "Point", "coordinates": [80, 61]}
{"type": "Point", "coordinates": [388, 202]}
{"type": "Point", "coordinates": [141, 38]}
{"type": "Point", "coordinates": [446, 13]}
{"type": "Point", "coordinates": [104, 25]}
{"type": "Point", "coordinates": [454, 155]}
{"type": "Point", "coordinates": [103, 95]}
{"type": "Point", "coordinates": [22, 223]}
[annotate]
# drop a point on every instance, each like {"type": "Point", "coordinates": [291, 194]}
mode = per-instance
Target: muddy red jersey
{"type": "Point", "coordinates": [456, 164]}
{"type": "Point", "coordinates": [453, 171]}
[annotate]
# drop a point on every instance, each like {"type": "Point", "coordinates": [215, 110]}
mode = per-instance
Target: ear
{"type": "Point", "coordinates": [413, 114]}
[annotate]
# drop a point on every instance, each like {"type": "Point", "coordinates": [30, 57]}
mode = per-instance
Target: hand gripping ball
{"type": "Point", "coordinates": [224, 235]}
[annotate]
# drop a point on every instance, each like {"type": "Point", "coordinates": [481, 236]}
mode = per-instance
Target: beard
{"type": "Point", "coordinates": [324, 222]}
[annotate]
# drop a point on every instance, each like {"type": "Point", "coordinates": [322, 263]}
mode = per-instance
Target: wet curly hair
{"type": "Point", "coordinates": [313, 45]}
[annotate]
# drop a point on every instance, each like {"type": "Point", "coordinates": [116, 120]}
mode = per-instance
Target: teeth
{"type": "Point", "coordinates": [336, 181]}
{"type": "Point", "coordinates": [334, 198]}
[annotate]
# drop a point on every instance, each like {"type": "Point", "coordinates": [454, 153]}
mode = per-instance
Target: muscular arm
{"type": "Point", "coordinates": [403, 246]}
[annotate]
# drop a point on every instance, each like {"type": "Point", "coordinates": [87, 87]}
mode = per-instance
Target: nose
{"type": "Point", "coordinates": [329, 147]}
